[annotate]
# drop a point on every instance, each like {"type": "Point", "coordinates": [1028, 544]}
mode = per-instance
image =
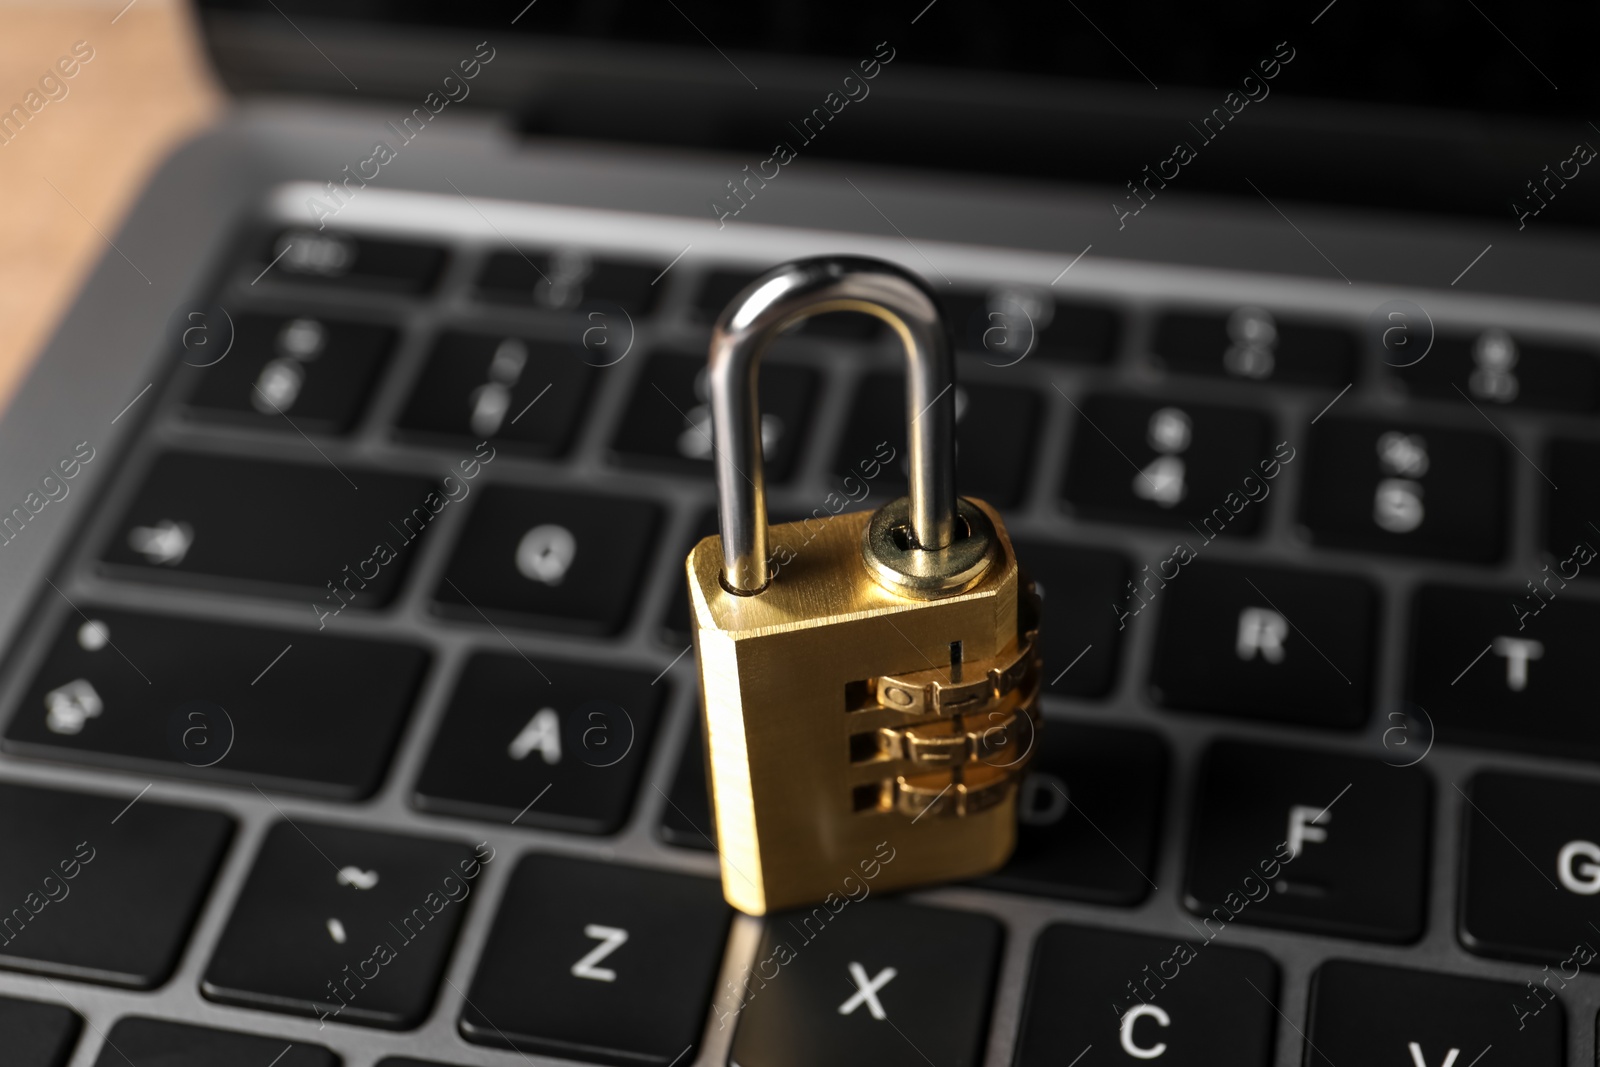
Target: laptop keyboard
{"type": "Point", "coordinates": [405, 564]}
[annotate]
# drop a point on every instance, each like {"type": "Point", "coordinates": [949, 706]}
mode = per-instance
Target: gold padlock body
{"type": "Point", "coordinates": [834, 722]}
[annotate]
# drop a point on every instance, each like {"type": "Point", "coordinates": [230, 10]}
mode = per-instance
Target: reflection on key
{"type": "Point", "coordinates": [623, 959]}
{"type": "Point", "coordinates": [1361, 1013]}
{"type": "Point", "coordinates": [861, 982]}
{"type": "Point", "coordinates": [1113, 999]}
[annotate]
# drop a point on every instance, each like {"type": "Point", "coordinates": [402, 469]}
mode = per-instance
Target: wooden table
{"type": "Point", "coordinates": [74, 169]}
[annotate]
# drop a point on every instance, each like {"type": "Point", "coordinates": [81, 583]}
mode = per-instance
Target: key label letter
{"type": "Point", "coordinates": [1517, 652]}
{"type": "Point", "coordinates": [356, 878]}
{"type": "Point", "coordinates": [1303, 827]}
{"type": "Point", "coordinates": [543, 732]}
{"type": "Point", "coordinates": [1041, 800]}
{"type": "Point", "coordinates": [1133, 1015]}
{"type": "Point", "coordinates": [867, 990]}
{"type": "Point", "coordinates": [611, 938]}
{"type": "Point", "coordinates": [1418, 1061]}
{"type": "Point", "coordinates": [545, 553]}
{"type": "Point", "coordinates": [72, 705]}
{"type": "Point", "coordinates": [1578, 867]}
{"type": "Point", "coordinates": [1261, 630]}
{"type": "Point", "coordinates": [1397, 505]}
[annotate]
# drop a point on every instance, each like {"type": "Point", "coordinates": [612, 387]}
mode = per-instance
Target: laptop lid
{"type": "Point", "coordinates": [1471, 109]}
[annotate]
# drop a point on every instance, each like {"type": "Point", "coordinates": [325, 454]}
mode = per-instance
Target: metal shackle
{"type": "Point", "coordinates": [767, 306]}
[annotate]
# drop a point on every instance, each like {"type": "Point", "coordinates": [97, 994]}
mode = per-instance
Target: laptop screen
{"type": "Point", "coordinates": [1429, 107]}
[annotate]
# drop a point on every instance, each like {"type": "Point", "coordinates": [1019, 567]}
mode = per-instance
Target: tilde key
{"type": "Point", "coordinates": [877, 682]}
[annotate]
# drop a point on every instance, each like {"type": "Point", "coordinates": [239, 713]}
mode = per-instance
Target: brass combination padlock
{"type": "Point", "coordinates": [881, 685]}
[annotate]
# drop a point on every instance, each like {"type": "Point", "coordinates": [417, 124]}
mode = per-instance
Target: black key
{"type": "Point", "coordinates": [1572, 518]}
{"type": "Point", "coordinates": [480, 386]}
{"type": "Point", "coordinates": [1192, 466]}
{"type": "Point", "coordinates": [623, 959]}
{"type": "Point", "coordinates": [78, 866]}
{"type": "Point", "coordinates": [1006, 326]}
{"type": "Point", "coordinates": [152, 1042]}
{"type": "Point", "coordinates": [717, 291]}
{"type": "Point", "coordinates": [1114, 998]}
{"type": "Point", "coordinates": [687, 820]}
{"type": "Point", "coordinates": [667, 424]}
{"type": "Point", "coordinates": [1310, 841]}
{"type": "Point", "coordinates": [302, 532]}
{"type": "Point", "coordinates": [1510, 669]}
{"type": "Point", "coordinates": [1251, 344]}
{"type": "Point", "coordinates": [553, 560]}
{"type": "Point", "coordinates": [345, 261]}
{"type": "Point", "coordinates": [996, 437]}
{"type": "Point", "coordinates": [1290, 646]}
{"type": "Point", "coordinates": [1362, 1013]}
{"type": "Point", "coordinates": [289, 373]}
{"type": "Point", "coordinates": [347, 925]}
{"type": "Point", "coordinates": [677, 627]}
{"type": "Point", "coordinates": [514, 730]}
{"type": "Point", "coordinates": [869, 983]}
{"type": "Point", "coordinates": [1088, 813]}
{"type": "Point", "coordinates": [1381, 485]}
{"type": "Point", "coordinates": [37, 1035]}
{"type": "Point", "coordinates": [200, 699]}
{"type": "Point", "coordinates": [1525, 837]}
{"type": "Point", "coordinates": [569, 281]}
{"type": "Point", "coordinates": [1494, 369]}
{"type": "Point", "coordinates": [721, 286]}
{"type": "Point", "coordinates": [1080, 635]}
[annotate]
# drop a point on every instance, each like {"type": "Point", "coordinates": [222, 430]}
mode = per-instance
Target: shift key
{"type": "Point", "coordinates": [336, 537]}
{"type": "Point", "coordinates": [299, 711]}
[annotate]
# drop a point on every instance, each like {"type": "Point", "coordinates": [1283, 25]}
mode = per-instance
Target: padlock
{"type": "Point", "coordinates": [870, 690]}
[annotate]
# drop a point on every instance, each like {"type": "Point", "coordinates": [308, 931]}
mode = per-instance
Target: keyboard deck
{"type": "Point", "coordinates": [357, 722]}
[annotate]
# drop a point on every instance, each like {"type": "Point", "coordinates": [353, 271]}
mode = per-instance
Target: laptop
{"type": "Point", "coordinates": [349, 709]}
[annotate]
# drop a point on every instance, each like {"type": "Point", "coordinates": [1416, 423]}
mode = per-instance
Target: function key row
{"type": "Point", "coordinates": [1005, 323]}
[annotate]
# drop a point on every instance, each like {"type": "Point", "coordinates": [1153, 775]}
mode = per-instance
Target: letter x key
{"type": "Point", "coordinates": [867, 990]}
